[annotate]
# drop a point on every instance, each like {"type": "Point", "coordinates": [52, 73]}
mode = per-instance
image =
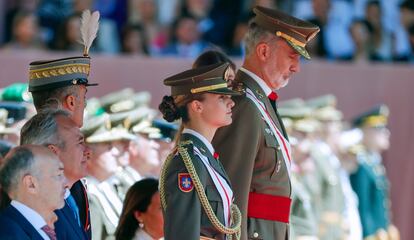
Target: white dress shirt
{"type": "Point", "coordinates": [202, 138]}
{"type": "Point", "coordinates": [32, 216]}
{"type": "Point", "coordinates": [262, 84]}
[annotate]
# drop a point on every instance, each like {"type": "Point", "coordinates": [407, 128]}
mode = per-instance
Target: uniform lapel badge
{"type": "Point", "coordinates": [185, 183]}
{"type": "Point", "coordinates": [259, 93]}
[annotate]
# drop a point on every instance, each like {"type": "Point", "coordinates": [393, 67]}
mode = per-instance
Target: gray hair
{"type": "Point", "coordinates": [254, 35]}
{"type": "Point", "coordinates": [54, 97]}
{"type": "Point", "coordinates": [17, 163]}
{"type": "Point", "coordinates": [42, 128]}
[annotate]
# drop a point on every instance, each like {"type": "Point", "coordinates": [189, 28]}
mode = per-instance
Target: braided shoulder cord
{"type": "Point", "coordinates": [162, 179]}
{"type": "Point", "coordinates": [235, 212]}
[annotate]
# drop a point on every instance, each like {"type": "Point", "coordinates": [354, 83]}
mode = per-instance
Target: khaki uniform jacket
{"type": "Point", "coordinates": [184, 216]}
{"type": "Point", "coordinates": [253, 160]}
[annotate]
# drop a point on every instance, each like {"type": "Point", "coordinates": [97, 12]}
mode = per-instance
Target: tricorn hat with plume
{"type": "Point", "coordinates": [51, 74]}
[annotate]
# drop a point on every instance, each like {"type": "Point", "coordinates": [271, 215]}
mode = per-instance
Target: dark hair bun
{"type": "Point", "coordinates": [168, 109]}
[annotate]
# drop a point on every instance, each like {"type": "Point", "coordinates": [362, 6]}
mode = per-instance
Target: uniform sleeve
{"type": "Point", "coordinates": [360, 182]}
{"type": "Point", "coordinates": [238, 145]}
{"type": "Point", "coordinates": [182, 217]}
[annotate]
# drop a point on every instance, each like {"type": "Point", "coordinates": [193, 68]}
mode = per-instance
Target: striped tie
{"type": "Point", "coordinates": [49, 232]}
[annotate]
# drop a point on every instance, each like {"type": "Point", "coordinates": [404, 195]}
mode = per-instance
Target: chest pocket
{"type": "Point", "coordinates": [270, 139]}
{"type": "Point", "coordinates": [216, 204]}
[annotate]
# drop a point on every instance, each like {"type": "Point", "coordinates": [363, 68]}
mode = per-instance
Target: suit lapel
{"type": "Point", "coordinates": [69, 215]}
{"type": "Point", "coordinates": [204, 150]}
{"type": "Point", "coordinates": [78, 192]}
{"type": "Point", "coordinates": [258, 92]}
{"type": "Point", "coordinates": [27, 227]}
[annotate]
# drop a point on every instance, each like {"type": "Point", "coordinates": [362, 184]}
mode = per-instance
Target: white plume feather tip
{"type": "Point", "coordinates": [89, 29]}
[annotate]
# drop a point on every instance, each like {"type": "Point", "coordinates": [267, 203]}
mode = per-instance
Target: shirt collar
{"type": "Point", "coordinates": [31, 215]}
{"type": "Point", "coordinates": [142, 235]}
{"type": "Point", "coordinates": [266, 89]}
{"type": "Point", "coordinates": [202, 138]}
{"type": "Point", "coordinates": [67, 193]}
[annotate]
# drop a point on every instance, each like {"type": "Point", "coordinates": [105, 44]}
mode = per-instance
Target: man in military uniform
{"type": "Point", "coordinates": [106, 190]}
{"type": "Point", "coordinates": [369, 181]}
{"type": "Point", "coordinates": [62, 83]}
{"type": "Point", "coordinates": [254, 149]}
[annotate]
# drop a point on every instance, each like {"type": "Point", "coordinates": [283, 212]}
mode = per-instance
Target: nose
{"type": "Point", "coordinates": [295, 67]}
{"type": "Point", "coordinates": [87, 152]}
{"type": "Point", "coordinates": [115, 151]}
{"type": "Point", "coordinates": [65, 182]}
{"type": "Point", "coordinates": [231, 102]}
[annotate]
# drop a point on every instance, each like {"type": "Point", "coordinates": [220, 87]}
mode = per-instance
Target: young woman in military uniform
{"type": "Point", "coordinates": [196, 194]}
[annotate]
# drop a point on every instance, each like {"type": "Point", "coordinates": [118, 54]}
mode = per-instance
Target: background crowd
{"type": "Point", "coordinates": [351, 30]}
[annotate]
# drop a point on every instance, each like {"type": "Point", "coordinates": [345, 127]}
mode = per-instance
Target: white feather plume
{"type": "Point", "coordinates": [89, 29]}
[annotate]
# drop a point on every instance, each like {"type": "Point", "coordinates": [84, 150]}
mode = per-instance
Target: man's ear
{"type": "Point", "coordinates": [54, 149]}
{"type": "Point", "coordinates": [30, 184]}
{"type": "Point", "coordinates": [70, 102]}
{"type": "Point", "coordinates": [263, 51]}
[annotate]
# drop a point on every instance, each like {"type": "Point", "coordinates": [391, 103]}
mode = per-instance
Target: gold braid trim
{"type": "Point", "coordinates": [235, 212]}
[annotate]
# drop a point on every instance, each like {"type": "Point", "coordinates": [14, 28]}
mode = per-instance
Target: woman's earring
{"type": "Point", "coordinates": [141, 225]}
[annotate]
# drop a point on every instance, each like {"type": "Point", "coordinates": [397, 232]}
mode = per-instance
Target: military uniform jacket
{"type": "Point", "coordinates": [372, 188]}
{"type": "Point", "coordinates": [253, 160]}
{"type": "Point", "coordinates": [105, 208]}
{"type": "Point", "coordinates": [184, 216]}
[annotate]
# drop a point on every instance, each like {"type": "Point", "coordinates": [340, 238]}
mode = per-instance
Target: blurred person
{"type": "Point", "coordinates": [33, 178]}
{"type": "Point", "coordinates": [360, 36]}
{"type": "Point", "coordinates": [68, 35]}
{"type": "Point", "coordinates": [303, 218]}
{"type": "Point", "coordinates": [332, 221]}
{"type": "Point", "coordinates": [240, 30]}
{"type": "Point", "coordinates": [187, 41]}
{"type": "Point", "coordinates": [321, 10]}
{"type": "Point", "coordinates": [104, 202]}
{"type": "Point", "coordinates": [156, 34]}
{"type": "Point", "coordinates": [215, 56]}
{"type": "Point", "coordinates": [369, 180]}
{"type": "Point", "coordinates": [201, 99]}
{"type": "Point", "coordinates": [141, 217]}
{"type": "Point", "coordinates": [145, 157]}
{"type": "Point", "coordinates": [411, 36]}
{"type": "Point", "coordinates": [380, 40]}
{"type": "Point", "coordinates": [273, 51]}
{"type": "Point", "coordinates": [55, 129]}
{"type": "Point", "coordinates": [24, 33]}
{"type": "Point", "coordinates": [134, 40]}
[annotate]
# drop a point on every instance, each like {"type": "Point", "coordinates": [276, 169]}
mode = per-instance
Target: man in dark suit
{"type": "Point", "coordinates": [254, 149]}
{"type": "Point", "coordinates": [33, 178]}
{"type": "Point", "coordinates": [55, 129]}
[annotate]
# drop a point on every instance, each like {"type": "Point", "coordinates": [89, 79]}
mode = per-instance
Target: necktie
{"type": "Point", "coordinates": [72, 204]}
{"type": "Point", "coordinates": [49, 232]}
{"type": "Point", "coordinates": [273, 97]}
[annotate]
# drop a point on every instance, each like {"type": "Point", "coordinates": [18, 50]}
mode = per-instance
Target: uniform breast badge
{"type": "Point", "coordinates": [185, 183]}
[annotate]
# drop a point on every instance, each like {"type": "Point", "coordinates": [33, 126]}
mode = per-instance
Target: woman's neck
{"type": "Point", "coordinates": [205, 130]}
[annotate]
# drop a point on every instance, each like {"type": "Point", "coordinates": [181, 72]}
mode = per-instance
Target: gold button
{"type": "Point", "coordinates": [278, 148]}
{"type": "Point", "coordinates": [255, 235]}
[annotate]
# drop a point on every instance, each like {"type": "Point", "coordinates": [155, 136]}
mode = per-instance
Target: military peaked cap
{"type": "Point", "coordinates": [295, 31]}
{"type": "Point", "coordinates": [202, 79]}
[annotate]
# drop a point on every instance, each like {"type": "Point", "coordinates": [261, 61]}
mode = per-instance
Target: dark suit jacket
{"type": "Point", "coordinates": [184, 217]}
{"type": "Point", "coordinates": [67, 226]}
{"type": "Point", "coordinates": [14, 226]}
{"type": "Point", "coordinates": [253, 160]}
